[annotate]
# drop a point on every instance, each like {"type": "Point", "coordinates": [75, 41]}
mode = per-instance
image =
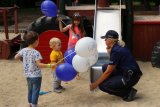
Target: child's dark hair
{"type": "Point", "coordinates": [30, 37]}
{"type": "Point", "coordinates": [77, 16]}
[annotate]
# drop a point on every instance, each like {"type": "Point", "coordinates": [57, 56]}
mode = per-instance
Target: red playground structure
{"type": "Point", "coordinates": [44, 39]}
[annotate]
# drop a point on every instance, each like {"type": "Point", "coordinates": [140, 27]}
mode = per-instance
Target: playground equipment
{"type": "Point", "coordinates": [44, 39]}
{"type": "Point", "coordinates": [106, 18]}
{"type": "Point", "coordinates": [45, 23]}
{"type": "Point", "coordinates": [48, 27]}
{"type": "Point", "coordinates": [5, 11]}
{"type": "Point", "coordinates": [8, 46]}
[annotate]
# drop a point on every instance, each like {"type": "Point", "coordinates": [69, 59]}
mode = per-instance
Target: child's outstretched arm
{"type": "Point", "coordinates": [42, 65]}
{"type": "Point", "coordinates": [66, 28]}
{"type": "Point", "coordinates": [17, 56]}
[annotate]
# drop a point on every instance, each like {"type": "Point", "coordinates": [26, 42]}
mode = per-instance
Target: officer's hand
{"type": "Point", "coordinates": [93, 86]}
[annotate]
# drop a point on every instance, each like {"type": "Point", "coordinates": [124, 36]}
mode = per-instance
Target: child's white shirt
{"type": "Point", "coordinates": [30, 56]}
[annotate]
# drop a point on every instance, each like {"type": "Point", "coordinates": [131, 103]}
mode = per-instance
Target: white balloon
{"type": "Point", "coordinates": [93, 59]}
{"type": "Point", "coordinates": [80, 64]}
{"type": "Point", "coordinates": [86, 47]}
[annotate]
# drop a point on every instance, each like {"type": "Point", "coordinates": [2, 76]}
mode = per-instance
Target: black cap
{"type": "Point", "coordinates": [111, 34]}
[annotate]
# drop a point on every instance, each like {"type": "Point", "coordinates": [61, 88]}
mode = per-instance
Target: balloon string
{"type": "Point", "coordinates": [64, 57]}
{"type": "Point", "coordinates": [63, 23]}
{"type": "Point", "coordinates": [69, 28]}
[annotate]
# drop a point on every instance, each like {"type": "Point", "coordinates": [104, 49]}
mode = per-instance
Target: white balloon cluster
{"type": "Point", "coordinates": [86, 54]}
{"type": "Point", "coordinates": [86, 47]}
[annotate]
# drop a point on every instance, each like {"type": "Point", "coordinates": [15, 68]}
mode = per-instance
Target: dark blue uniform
{"type": "Point", "coordinates": [126, 74]}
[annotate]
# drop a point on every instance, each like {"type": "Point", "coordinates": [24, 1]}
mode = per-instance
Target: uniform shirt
{"type": "Point", "coordinates": [56, 56]}
{"type": "Point", "coordinates": [123, 59]}
{"type": "Point", "coordinates": [30, 56]}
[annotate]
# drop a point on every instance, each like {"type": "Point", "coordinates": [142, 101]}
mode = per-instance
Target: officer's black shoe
{"type": "Point", "coordinates": [131, 95]}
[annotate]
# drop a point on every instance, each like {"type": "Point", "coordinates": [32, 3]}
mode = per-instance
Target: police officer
{"type": "Point", "coordinates": [121, 73]}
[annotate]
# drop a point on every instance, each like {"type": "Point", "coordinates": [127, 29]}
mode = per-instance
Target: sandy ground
{"type": "Point", "coordinates": [13, 89]}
